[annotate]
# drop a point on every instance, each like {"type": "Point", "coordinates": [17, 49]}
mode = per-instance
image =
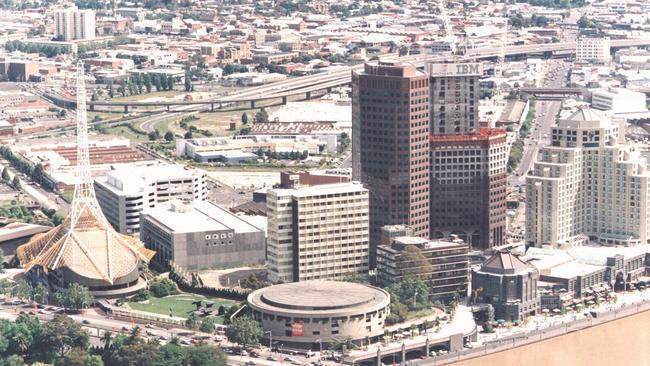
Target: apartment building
{"type": "Point", "coordinates": [447, 275]}
{"type": "Point", "coordinates": [593, 49]}
{"type": "Point", "coordinates": [588, 185]}
{"type": "Point", "coordinates": [124, 193]}
{"type": "Point", "coordinates": [75, 24]}
{"type": "Point", "coordinates": [317, 233]}
{"type": "Point", "coordinates": [390, 147]}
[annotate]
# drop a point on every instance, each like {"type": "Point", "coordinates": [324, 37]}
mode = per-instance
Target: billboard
{"type": "Point", "coordinates": [455, 69]}
{"type": "Point", "coordinates": [296, 329]}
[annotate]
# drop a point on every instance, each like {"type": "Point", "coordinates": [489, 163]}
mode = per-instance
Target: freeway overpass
{"type": "Point", "coordinates": [306, 85]}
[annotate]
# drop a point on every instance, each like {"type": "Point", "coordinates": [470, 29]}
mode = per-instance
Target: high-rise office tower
{"type": "Point", "coordinates": [454, 97]}
{"type": "Point", "coordinates": [390, 147]}
{"type": "Point", "coordinates": [468, 187]}
{"type": "Point", "coordinates": [468, 164]}
{"type": "Point", "coordinates": [588, 185]}
{"type": "Point", "coordinates": [317, 233]}
{"type": "Point", "coordinates": [73, 24]}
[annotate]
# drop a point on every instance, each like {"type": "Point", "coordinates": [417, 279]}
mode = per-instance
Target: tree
{"type": "Point", "coordinates": [407, 290]}
{"type": "Point", "coordinates": [111, 90]}
{"type": "Point", "coordinates": [21, 289]}
{"type": "Point", "coordinates": [192, 321]}
{"type": "Point", "coordinates": [16, 183]}
{"type": "Point", "coordinates": [39, 294]}
{"type": "Point", "coordinates": [79, 357]}
{"type": "Point", "coordinates": [169, 136]}
{"type": "Point", "coordinates": [74, 297]}
{"type": "Point", "coordinates": [5, 174]}
{"type": "Point", "coordinates": [413, 263]}
{"type": "Point", "coordinates": [204, 355]}
{"type": "Point", "coordinates": [57, 219]}
{"type": "Point", "coordinates": [147, 83]}
{"type": "Point", "coordinates": [245, 331]}
{"type": "Point", "coordinates": [62, 334]}
{"type": "Point", "coordinates": [106, 339]}
{"type": "Point", "coordinates": [262, 116]}
{"type": "Point", "coordinates": [170, 83]}
{"type": "Point", "coordinates": [188, 80]}
{"type": "Point", "coordinates": [161, 287]}
{"type": "Point", "coordinates": [208, 324]}
{"type": "Point", "coordinates": [2, 261]}
{"type": "Point", "coordinates": [136, 354]}
{"type": "Point", "coordinates": [244, 118]}
{"type": "Point", "coordinates": [172, 354]}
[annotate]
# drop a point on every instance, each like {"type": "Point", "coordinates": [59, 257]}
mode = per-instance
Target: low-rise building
{"type": "Point", "coordinates": [508, 284]}
{"type": "Point", "coordinates": [593, 49]}
{"type": "Point", "coordinates": [124, 193]}
{"type": "Point", "coordinates": [619, 101]}
{"type": "Point", "coordinates": [200, 235]}
{"type": "Point", "coordinates": [448, 274]}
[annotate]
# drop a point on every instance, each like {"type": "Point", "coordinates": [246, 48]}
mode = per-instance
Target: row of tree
{"type": "Point", "coordinates": [63, 342]}
{"type": "Point", "coordinates": [35, 172]}
{"type": "Point", "coordinates": [138, 84]}
{"type": "Point", "coordinates": [47, 50]}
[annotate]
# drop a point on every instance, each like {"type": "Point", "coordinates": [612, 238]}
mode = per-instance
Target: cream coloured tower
{"type": "Point", "coordinates": [588, 185]}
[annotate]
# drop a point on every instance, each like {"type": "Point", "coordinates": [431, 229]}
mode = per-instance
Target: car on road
{"type": "Point", "coordinates": [272, 358]}
{"type": "Point", "coordinates": [296, 362]}
{"type": "Point", "coordinates": [243, 353]}
{"type": "Point", "coordinates": [249, 363]}
{"type": "Point", "coordinates": [40, 311]}
{"type": "Point", "coordinates": [150, 326]}
{"type": "Point", "coordinates": [186, 342]}
{"type": "Point", "coordinates": [85, 321]}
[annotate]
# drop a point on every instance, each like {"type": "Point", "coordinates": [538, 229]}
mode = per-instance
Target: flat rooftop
{"type": "Point", "coordinates": [198, 217]}
{"type": "Point", "coordinates": [127, 180]}
{"type": "Point", "coordinates": [335, 188]}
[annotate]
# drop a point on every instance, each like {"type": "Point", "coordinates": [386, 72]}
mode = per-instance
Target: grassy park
{"type": "Point", "coordinates": [182, 305]}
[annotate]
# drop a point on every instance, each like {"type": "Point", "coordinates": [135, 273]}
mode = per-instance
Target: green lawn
{"type": "Point", "coordinates": [181, 305]}
{"type": "Point", "coordinates": [125, 132]}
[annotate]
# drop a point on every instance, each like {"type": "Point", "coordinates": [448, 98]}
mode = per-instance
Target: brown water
{"type": "Point", "coordinates": [623, 342]}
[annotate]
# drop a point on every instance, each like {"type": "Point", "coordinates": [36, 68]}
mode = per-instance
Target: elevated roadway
{"type": "Point", "coordinates": [306, 85]}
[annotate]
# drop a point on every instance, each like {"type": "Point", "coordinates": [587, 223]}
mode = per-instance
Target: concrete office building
{"type": "Point", "coordinates": [587, 186]}
{"type": "Point", "coordinates": [593, 49]}
{"type": "Point", "coordinates": [509, 284]}
{"type": "Point", "coordinates": [449, 271]}
{"type": "Point", "coordinates": [75, 24]}
{"type": "Point", "coordinates": [454, 95]}
{"type": "Point", "coordinates": [126, 192]}
{"type": "Point", "coordinates": [314, 314]}
{"type": "Point", "coordinates": [201, 235]}
{"type": "Point", "coordinates": [468, 187]}
{"type": "Point", "coordinates": [390, 145]}
{"type": "Point", "coordinates": [619, 101]}
{"type": "Point", "coordinates": [318, 232]}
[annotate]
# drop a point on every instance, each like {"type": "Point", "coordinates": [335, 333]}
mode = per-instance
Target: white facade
{"type": "Point", "coordinates": [124, 193]}
{"type": "Point", "coordinates": [73, 24]}
{"type": "Point", "coordinates": [619, 100]}
{"type": "Point", "coordinates": [587, 186]}
{"type": "Point", "coordinates": [593, 49]}
{"type": "Point", "coordinates": [318, 232]}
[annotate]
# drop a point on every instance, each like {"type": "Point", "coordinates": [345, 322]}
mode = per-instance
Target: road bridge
{"type": "Point", "coordinates": [307, 85]}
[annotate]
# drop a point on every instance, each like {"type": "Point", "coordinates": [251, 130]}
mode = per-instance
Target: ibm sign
{"type": "Point", "coordinates": [472, 69]}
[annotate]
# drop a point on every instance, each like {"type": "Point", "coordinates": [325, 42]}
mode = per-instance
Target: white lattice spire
{"type": "Point", "coordinates": [84, 192]}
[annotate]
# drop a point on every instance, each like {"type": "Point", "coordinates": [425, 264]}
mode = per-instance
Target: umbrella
{"type": "Point", "coordinates": [544, 310]}
{"type": "Point", "coordinates": [590, 302]}
{"type": "Point", "coordinates": [557, 310]}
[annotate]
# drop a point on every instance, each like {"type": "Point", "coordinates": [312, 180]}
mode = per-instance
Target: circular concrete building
{"type": "Point", "coordinates": [313, 313]}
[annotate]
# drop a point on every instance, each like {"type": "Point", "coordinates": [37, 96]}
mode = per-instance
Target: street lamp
{"type": "Point", "coordinates": [414, 298]}
{"type": "Point", "coordinates": [320, 348]}
{"type": "Point", "coordinates": [270, 341]}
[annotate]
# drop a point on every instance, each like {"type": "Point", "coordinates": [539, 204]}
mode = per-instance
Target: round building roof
{"type": "Point", "coordinates": [315, 297]}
